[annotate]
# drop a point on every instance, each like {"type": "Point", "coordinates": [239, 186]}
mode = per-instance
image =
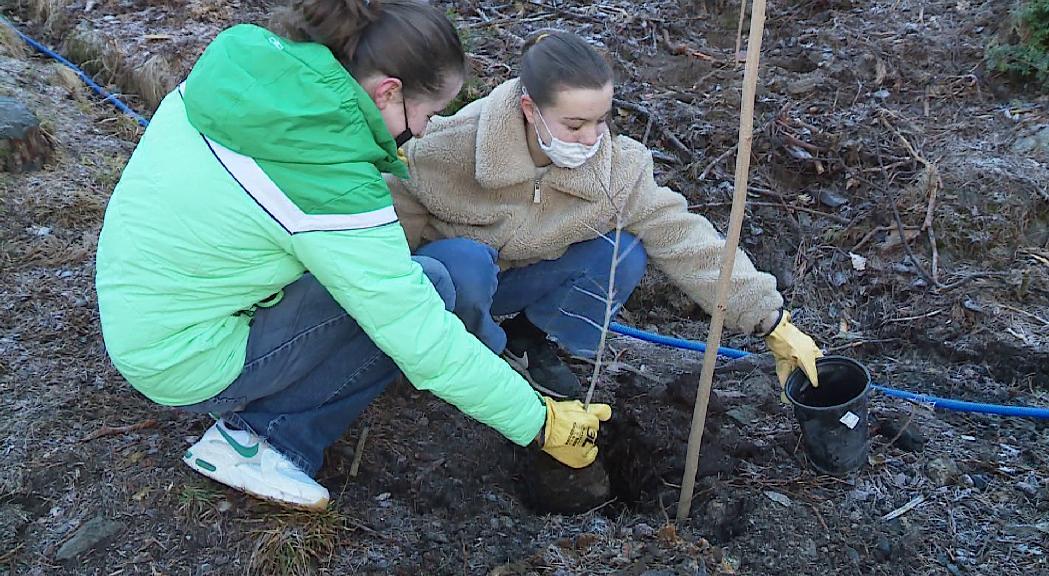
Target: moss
{"type": "Point", "coordinates": [1025, 54]}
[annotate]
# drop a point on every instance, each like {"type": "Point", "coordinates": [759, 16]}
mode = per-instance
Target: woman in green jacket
{"type": "Point", "coordinates": [251, 264]}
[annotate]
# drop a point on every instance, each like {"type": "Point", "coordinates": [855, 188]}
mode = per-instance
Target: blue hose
{"type": "Point", "coordinates": [937, 402]}
{"type": "Point", "coordinates": [83, 75]}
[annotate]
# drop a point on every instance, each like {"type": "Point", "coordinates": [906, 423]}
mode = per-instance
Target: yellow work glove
{"type": "Point", "coordinates": [792, 348]}
{"type": "Point", "coordinates": [570, 432]}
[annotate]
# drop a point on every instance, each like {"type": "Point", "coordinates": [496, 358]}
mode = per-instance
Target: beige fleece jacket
{"type": "Point", "coordinates": [472, 176]}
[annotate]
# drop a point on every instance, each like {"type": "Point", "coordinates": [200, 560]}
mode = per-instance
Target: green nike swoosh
{"type": "Point", "coordinates": [241, 449]}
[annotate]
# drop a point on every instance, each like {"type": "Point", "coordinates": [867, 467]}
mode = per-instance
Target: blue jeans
{"type": "Point", "coordinates": [309, 372]}
{"type": "Point", "coordinates": [564, 298]}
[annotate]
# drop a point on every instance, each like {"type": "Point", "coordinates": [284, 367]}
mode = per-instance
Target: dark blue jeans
{"type": "Point", "coordinates": [564, 298]}
{"type": "Point", "coordinates": [309, 372]}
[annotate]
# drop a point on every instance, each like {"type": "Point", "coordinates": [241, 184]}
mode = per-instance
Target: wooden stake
{"type": "Point", "coordinates": [728, 259]}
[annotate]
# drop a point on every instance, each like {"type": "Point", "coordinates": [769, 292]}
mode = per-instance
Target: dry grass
{"type": "Point", "coordinates": [196, 502]}
{"type": "Point", "coordinates": [296, 543]}
{"type": "Point", "coordinates": [53, 15]}
{"type": "Point", "coordinates": [98, 55]}
{"type": "Point", "coordinates": [105, 59]}
{"type": "Point", "coordinates": [65, 78]}
{"type": "Point", "coordinates": [11, 44]}
{"type": "Point", "coordinates": [151, 81]}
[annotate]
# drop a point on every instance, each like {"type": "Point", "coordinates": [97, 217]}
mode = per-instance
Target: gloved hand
{"type": "Point", "coordinates": [570, 432]}
{"type": "Point", "coordinates": [792, 348]}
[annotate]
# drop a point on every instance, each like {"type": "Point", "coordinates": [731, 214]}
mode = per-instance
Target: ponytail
{"type": "Point", "coordinates": [407, 39]}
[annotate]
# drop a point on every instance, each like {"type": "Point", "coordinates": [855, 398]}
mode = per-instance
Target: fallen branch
{"type": "Point", "coordinates": [904, 509]}
{"type": "Point", "coordinates": [116, 430]}
{"type": "Point", "coordinates": [706, 171]}
{"type": "Point", "coordinates": [835, 217]}
{"type": "Point", "coordinates": [652, 120]}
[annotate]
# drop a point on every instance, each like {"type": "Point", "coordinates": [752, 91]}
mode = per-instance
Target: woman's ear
{"type": "Point", "coordinates": [385, 90]}
{"type": "Point", "coordinates": [528, 108]}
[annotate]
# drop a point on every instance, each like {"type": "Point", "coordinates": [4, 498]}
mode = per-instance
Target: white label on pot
{"type": "Point", "coordinates": [850, 420]}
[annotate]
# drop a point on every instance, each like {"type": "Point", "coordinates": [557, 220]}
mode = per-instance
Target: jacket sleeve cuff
{"type": "Point", "coordinates": [771, 329]}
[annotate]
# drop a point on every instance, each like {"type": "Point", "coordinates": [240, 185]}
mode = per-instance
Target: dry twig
{"type": "Point", "coordinates": [116, 430]}
{"type": "Point", "coordinates": [358, 453]}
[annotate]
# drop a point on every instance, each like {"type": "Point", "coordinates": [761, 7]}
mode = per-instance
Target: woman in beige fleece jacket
{"type": "Point", "coordinates": [519, 194]}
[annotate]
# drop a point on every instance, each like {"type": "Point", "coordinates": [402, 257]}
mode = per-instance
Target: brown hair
{"type": "Point", "coordinates": [554, 59]}
{"type": "Point", "coordinates": [407, 39]}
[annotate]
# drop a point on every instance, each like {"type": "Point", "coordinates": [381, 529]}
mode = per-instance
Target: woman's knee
{"type": "Point", "coordinates": [438, 275]}
{"type": "Point", "coordinates": [632, 260]}
{"type": "Point", "coordinates": [470, 264]}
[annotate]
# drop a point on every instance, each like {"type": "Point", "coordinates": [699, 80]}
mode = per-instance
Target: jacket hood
{"type": "Point", "coordinates": [286, 103]}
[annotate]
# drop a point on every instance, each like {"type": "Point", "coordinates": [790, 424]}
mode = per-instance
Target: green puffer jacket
{"type": "Point", "coordinates": [266, 163]}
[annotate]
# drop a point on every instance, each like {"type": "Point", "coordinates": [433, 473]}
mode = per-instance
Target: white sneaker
{"type": "Point", "coordinates": [238, 458]}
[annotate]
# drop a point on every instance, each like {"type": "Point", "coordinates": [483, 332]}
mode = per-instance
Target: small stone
{"type": "Point", "coordinates": [1027, 488]}
{"type": "Point", "coordinates": [979, 481]}
{"type": "Point", "coordinates": [853, 555]}
{"type": "Point", "coordinates": [883, 549]}
{"type": "Point", "coordinates": [808, 550]}
{"type": "Point", "coordinates": [93, 533]}
{"type": "Point", "coordinates": [941, 471]}
{"type": "Point", "coordinates": [832, 199]}
{"type": "Point", "coordinates": [643, 530]}
{"type": "Point", "coordinates": [882, 94]}
{"type": "Point", "coordinates": [743, 415]}
{"type": "Point", "coordinates": [803, 85]}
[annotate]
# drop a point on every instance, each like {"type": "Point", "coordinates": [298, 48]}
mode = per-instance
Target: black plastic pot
{"type": "Point", "coordinates": [833, 416]}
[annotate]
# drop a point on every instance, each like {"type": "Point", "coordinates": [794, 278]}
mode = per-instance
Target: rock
{"type": "Point", "coordinates": [832, 199]}
{"type": "Point", "coordinates": [803, 85]}
{"type": "Point", "coordinates": [643, 530]}
{"type": "Point", "coordinates": [743, 415]}
{"type": "Point", "coordinates": [1028, 489]}
{"type": "Point", "coordinates": [12, 519]}
{"type": "Point", "coordinates": [979, 481]}
{"type": "Point", "coordinates": [23, 146]}
{"type": "Point", "coordinates": [941, 471]}
{"type": "Point", "coordinates": [1037, 140]}
{"type": "Point", "coordinates": [92, 534]}
{"type": "Point", "coordinates": [883, 549]}
{"type": "Point", "coordinates": [853, 555]}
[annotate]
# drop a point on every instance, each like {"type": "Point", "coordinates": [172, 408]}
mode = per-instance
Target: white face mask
{"type": "Point", "coordinates": [565, 154]}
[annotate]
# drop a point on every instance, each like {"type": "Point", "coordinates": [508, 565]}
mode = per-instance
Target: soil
{"type": "Point", "coordinates": [873, 118]}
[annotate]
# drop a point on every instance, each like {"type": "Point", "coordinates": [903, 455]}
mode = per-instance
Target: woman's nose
{"type": "Point", "coordinates": [589, 138]}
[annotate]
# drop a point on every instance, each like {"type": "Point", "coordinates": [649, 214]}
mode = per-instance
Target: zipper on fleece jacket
{"type": "Point", "coordinates": [536, 193]}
